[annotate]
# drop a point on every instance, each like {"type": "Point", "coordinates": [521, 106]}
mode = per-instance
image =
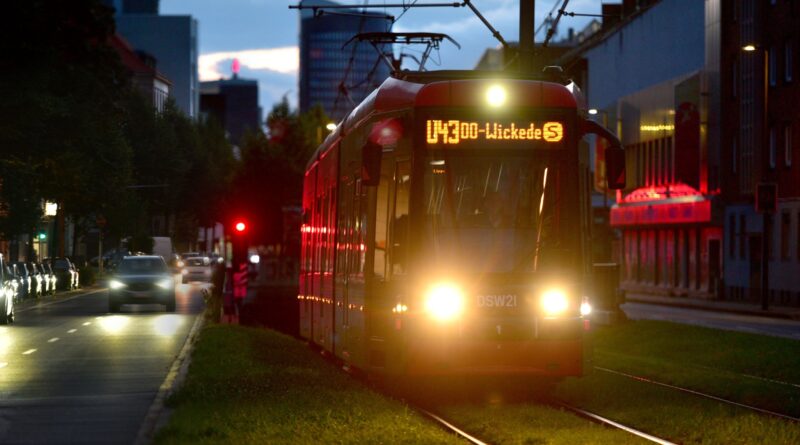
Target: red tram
{"type": "Point", "coordinates": [446, 229]}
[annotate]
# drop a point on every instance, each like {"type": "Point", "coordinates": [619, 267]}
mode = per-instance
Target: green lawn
{"type": "Point", "coordinates": [256, 386]}
{"type": "Point", "coordinates": [726, 364]}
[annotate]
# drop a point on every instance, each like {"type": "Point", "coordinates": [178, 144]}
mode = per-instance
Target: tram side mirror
{"type": "Point", "coordinates": [615, 167]}
{"type": "Point", "coordinates": [614, 154]}
{"type": "Point", "coordinates": [371, 164]}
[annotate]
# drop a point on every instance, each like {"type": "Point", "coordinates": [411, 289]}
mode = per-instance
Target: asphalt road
{"type": "Point", "coordinates": [70, 372]}
{"type": "Point", "coordinates": [718, 320]}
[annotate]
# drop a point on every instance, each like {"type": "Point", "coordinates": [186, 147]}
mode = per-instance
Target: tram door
{"type": "Point", "coordinates": [390, 261]}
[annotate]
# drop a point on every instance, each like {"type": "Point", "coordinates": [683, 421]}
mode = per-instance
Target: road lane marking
{"type": "Point", "coordinates": [41, 305]}
{"type": "Point", "coordinates": [29, 351]}
{"type": "Point", "coordinates": [53, 340]}
{"type": "Point", "coordinates": [72, 331]}
{"type": "Point", "coordinates": [87, 323]}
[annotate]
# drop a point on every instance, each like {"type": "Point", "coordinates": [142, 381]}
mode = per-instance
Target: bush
{"type": "Point", "coordinates": [87, 275]}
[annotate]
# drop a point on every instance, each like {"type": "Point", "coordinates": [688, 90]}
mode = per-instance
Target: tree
{"type": "Point", "coordinates": [272, 167]}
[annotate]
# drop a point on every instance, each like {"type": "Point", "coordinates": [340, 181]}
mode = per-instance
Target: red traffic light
{"type": "Point", "coordinates": [240, 226]}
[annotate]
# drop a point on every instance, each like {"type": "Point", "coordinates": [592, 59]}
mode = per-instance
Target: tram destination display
{"type": "Point", "coordinates": [458, 132]}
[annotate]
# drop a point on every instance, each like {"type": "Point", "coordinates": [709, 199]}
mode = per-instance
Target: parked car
{"type": "Point", "coordinates": [38, 281]}
{"type": "Point", "coordinates": [16, 281]}
{"type": "Point", "coordinates": [196, 269]}
{"type": "Point", "coordinates": [6, 295]}
{"type": "Point", "coordinates": [49, 278]}
{"type": "Point", "coordinates": [141, 279]}
{"type": "Point", "coordinates": [27, 280]}
{"type": "Point", "coordinates": [66, 273]}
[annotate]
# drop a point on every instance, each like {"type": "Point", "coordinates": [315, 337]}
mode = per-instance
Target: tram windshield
{"type": "Point", "coordinates": [495, 214]}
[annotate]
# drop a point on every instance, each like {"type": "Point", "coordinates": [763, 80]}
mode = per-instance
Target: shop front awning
{"type": "Point", "coordinates": [659, 205]}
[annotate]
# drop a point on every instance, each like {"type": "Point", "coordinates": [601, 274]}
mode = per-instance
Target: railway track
{"type": "Point", "coordinates": [700, 394]}
{"type": "Point", "coordinates": [450, 427]}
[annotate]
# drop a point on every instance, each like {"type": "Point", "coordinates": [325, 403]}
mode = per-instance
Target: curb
{"type": "Point", "coordinates": [158, 414]}
{"type": "Point", "coordinates": [712, 307]}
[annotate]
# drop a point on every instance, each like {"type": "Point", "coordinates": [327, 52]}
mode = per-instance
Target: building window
{"type": "Point", "coordinates": [786, 224]}
{"type": "Point", "coordinates": [742, 235]}
{"type": "Point", "coordinates": [732, 236]}
{"type": "Point", "coordinates": [787, 144]}
{"type": "Point", "coordinates": [787, 61]}
{"type": "Point", "coordinates": [773, 67]}
{"type": "Point", "coordinates": [772, 147]}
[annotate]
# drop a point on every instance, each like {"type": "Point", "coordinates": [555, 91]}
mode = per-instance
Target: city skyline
{"type": "Point", "coordinates": [264, 35]}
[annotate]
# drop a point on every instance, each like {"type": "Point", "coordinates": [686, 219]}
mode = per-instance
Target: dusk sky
{"type": "Point", "coordinates": [263, 34]}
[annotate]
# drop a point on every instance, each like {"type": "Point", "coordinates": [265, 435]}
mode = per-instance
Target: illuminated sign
{"type": "Point", "coordinates": [454, 131]}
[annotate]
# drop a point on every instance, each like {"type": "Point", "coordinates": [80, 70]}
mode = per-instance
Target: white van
{"type": "Point", "coordinates": [162, 245]}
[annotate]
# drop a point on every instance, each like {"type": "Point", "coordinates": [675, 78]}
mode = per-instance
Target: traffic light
{"type": "Point", "coordinates": [239, 242]}
{"type": "Point", "coordinates": [42, 236]}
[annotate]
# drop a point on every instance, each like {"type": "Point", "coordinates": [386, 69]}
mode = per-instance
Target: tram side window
{"type": "Point", "coordinates": [381, 219]}
{"type": "Point", "coordinates": [400, 224]}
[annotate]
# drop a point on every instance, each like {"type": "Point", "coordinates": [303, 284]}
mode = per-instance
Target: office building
{"type": "Point", "coordinates": [233, 103]}
{"type": "Point", "coordinates": [172, 41]}
{"type": "Point", "coordinates": [338, 78]}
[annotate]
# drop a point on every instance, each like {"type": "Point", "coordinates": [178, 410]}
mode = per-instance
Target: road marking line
{"type": "Point", "coordinates": [53, 340]}
{"type": "Point", "coordinates": [87, 323]}
{"type": "Point", "coordinates": [29, 351]}
{"type": "Point", "coordinates": [72, 331]}
{"type": "Point", "coordinates": [41, 305]}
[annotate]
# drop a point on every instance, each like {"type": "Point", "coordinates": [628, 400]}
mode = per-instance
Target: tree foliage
{"type": "Point", "coordinates": [272, 166]}
{"type": "Point", "coordinates": [74, 131]}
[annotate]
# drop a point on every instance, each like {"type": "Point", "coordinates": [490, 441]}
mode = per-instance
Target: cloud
{"type": "Point", "coordinates": [285, 60]}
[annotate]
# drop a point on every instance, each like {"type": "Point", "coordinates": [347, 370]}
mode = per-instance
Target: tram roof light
{"type": "Point", "coordinates": [496, 96]}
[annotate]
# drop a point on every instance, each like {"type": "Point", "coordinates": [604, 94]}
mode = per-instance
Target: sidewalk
{"type": "Point", "coordinates": [750, 308]}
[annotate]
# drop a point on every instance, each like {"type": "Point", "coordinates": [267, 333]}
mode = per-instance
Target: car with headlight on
{"type": "Point", "coordinates": [196, 269]}
{"type": "Point", "coordinates": [142, 279]}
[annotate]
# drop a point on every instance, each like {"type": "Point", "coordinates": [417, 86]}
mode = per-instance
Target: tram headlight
{"type": "Point", "coordinates": [114, 284]}
{"type": "Point", "coordinates": [444, 301]}
{"type": "Point", "coordinates": [586, 307]}
{"type": "Point", "coordinates": [496, 96]}
{"type": "Point", "coordinates": [555, 301]}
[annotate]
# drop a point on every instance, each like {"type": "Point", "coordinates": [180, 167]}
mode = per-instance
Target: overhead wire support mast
{"type": "Point", "coordinates": [551, 32]}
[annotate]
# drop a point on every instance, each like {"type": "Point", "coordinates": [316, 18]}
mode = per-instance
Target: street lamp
{"type": "Point", "coordinates": [762, 186]}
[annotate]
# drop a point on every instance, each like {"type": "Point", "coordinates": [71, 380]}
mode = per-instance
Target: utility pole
{"type": "Point", "coordinates": [526, 18]}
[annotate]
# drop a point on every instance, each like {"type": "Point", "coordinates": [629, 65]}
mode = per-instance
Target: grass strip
{"type": "Point", "coordinates": [677, 416]}
{"type": "Point", "coordinates": [256, 386]}
{"type": "Point", "coordinates": [746, 368]}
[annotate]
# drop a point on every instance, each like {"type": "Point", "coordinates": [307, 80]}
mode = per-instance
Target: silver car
{"type": "Point", "coordinates": [196, 269]}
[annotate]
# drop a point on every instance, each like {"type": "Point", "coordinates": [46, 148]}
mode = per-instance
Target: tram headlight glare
{"type": "Point", "coordinates": [496, 96]}
{"type": "Point", "coordinates": [444, 301]}
{"type": "Point", "coordinates": [554, 301]}
{"type": "Point", "coordinates": [114, 284]}
{"type": "Point", "coordinates": [586, 308]}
